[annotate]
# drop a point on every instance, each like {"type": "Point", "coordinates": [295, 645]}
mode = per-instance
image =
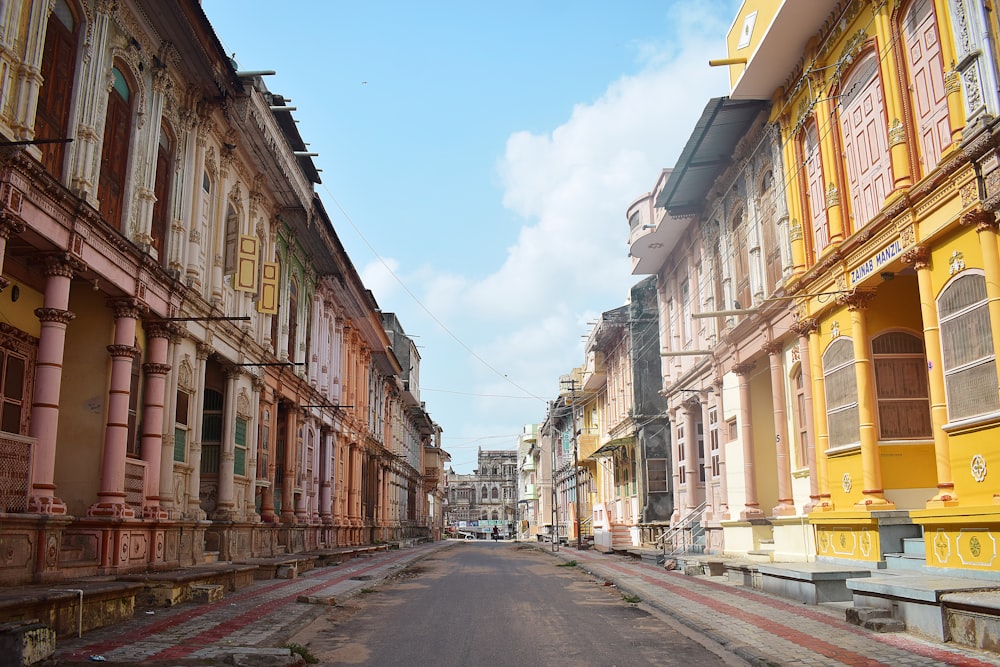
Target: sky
{"type": "Point", "coordinates": [477, 161]}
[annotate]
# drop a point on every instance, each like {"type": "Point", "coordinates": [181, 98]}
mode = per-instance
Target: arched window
{"type": "Point", "coordinates": [901, 386]}
{"type": "Point", "coordinates": [815, 198]}
{"type": "Point", "coordinates": [161, 192]}
{"type": "Point", "coordinates": [495, 494]}
{"type": "Point", "coordinates": [58, 64]}
{"type": "Point", "coordinates": [486, 493]}
{"type": "Point", "coordinates": [841, 386]}
{"type": "Point", "coordinates": [866, 140]}
{"type": "Point", "coordinates": [926, 72]}
{"type": "Point", "coordinates": [115, 150]}
{"type": "Point", "coordinates": [970, 372]}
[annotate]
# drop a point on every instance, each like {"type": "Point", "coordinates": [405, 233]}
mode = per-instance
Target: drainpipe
{"type": "Point", "coordinates": [79, 614]}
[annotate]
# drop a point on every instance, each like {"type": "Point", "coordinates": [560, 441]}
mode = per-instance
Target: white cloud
{"type": "Point", "coordinates": [573, 186]}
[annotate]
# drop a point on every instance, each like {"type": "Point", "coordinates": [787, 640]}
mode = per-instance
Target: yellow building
{"type": "Point", "coordinates": [887, 132]}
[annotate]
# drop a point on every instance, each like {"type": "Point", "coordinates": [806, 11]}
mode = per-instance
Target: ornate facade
{"type": "Point", "coordinates": [193, 369]}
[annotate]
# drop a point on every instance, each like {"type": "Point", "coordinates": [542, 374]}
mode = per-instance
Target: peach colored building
{"type": "Point", "coordinates": [192, 368]}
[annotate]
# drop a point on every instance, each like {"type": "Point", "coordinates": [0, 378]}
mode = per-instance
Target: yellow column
{"type": "Point", "coordinates": [986, 228]}
{"type": "Point", "coordinates": [822, 436]}
{"type": "Point", "coordinates": [831, 166]}
{"type": "Point", "coordinates": [793, 191]}
{"type": "Point", "coordinates": [920, 258]}
{"type": "Point", "coordinates": [952, 79]}
{"type": "Point", "coordinates": [871, 469]}
{"type": "Point", "coordinates": [892, 93]}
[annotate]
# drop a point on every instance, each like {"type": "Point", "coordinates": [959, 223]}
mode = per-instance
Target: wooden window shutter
{"type": "Point", "coordinates": [246, 265]}
{"type": "Point", "coordinates": [268, 301]}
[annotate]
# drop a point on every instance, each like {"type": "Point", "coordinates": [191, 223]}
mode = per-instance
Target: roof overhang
{"type": "Point", "coordinates": [708, 151]}
{"type": "Point", "coordinates": [780, 47]}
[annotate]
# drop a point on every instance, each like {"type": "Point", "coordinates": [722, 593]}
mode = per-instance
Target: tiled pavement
{"type": "Point", "coordinates": [262, 615]}
{"type": "Point", "coordinates": [761, 628]}
{"type": "Point", "coordinates": [765, 629]}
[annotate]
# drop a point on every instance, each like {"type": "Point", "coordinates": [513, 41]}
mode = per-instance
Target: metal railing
{"type": "Point", "coordinates": [685, 536]}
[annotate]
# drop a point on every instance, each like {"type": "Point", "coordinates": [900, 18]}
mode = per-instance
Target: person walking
{"type": "Point", "coordinates": [496, 533]}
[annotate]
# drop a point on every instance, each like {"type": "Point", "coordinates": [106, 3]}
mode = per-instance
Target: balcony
{"type": "Point", "coordinates": [587, 444]}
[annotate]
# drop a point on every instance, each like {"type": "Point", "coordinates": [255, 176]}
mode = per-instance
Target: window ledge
{"type": "Point", "coordinates": [971, 424]}
{"type": "Point", "coordinates": [843, 449]}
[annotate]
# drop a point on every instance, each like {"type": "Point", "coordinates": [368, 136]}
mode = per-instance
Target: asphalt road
{"type": "Point", "coordinates": [484, 603]}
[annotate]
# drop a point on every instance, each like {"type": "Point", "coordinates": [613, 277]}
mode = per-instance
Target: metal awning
{"type": "Point", "coordinates": [608, 448]}
{"type": "Point", "coordinates": [707, 153]}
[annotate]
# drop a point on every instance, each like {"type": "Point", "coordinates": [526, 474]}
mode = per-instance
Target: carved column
{"type": "Point", "coordinates": [803, 328]}
{"type": "Point", "coordinates": [723, 478]}
{"type": "Point", "coordinates": [169, 422]}
{"type": "Point", "coordinates": [271, 445]}
{"type": "Point", "coordinates": [819, 420]}
{"type": "Point", "coordinates": [975, 68]}
{"type": "Point", "coordinates": [54, 317]}
{"type": "Point", "coordinates": [893, 92]}
{"type": "Point", "coordinates": [288, 479]}
{"type": "Point", "coordinates": [786, 503]}
{"type": "Point", "coordinates": [225, 509]}
{"type": "Point", "coordinates": [752, 505]}
{"type": "Point", "coordinates": [920, 258]}
{"type": "Point", "coordinates": [111, 498]}
{"type": "Point", "coordinates": [326, 476]}
{"type": "Point", "coordinates": [198, 408]}
{"type": "Point", "coordinates": [151, 447]}
{"type": "Point", "coordinates": [830, 158]}
{"type": "Point", "coordinates": [873, 495]}
{"type": "Point", "coordinates": [95, 84]}
{"type": "Point", "coordinates": [690, 410]}
{"type": "Point", "coordinates": [249, 509]}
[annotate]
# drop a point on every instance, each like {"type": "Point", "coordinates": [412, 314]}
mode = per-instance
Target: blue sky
{"type": "Point", "coordinates": [477, 160]}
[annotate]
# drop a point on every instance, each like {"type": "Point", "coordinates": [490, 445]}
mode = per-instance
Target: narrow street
{"type": "Point", "coordinates": [486, 603]}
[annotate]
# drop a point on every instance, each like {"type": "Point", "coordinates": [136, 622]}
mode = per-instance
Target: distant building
{"type": "Point", "coordinates": [489, 494]}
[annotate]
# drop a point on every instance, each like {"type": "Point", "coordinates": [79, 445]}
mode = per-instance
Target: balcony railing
{"type": "Point", "coordinates": [15, 472]}
{"type": "Point", "coordinates": [135, 483]}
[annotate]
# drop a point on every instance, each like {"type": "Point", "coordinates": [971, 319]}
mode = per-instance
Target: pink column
{"type": "Point", "coordinates": [326, 476]}
{"type": "Point", "coordinates": [690, 409]}
{"type": "Point", "coordinates": [151, 444]}
{"type": "Point", "coordinates": [111, 498]}
{"type": "Point", "coordinates": [723, 478]}
{"type": "Point", "coordinates": [225, 509]}
{"type": "Point", "coordinates": [288, 479]}
{"type": "Point", "coordinates": [752, 508]}
{"type": "Point", "coordinates": [786, 504]}
{"type": "Point", "coordinates": [54, 317]}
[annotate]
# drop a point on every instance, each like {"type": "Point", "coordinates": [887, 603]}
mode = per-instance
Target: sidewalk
{"type": "Point", "coordinates": [764, 629]}
{"type": "Point", "coordinates": [243, 619]}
